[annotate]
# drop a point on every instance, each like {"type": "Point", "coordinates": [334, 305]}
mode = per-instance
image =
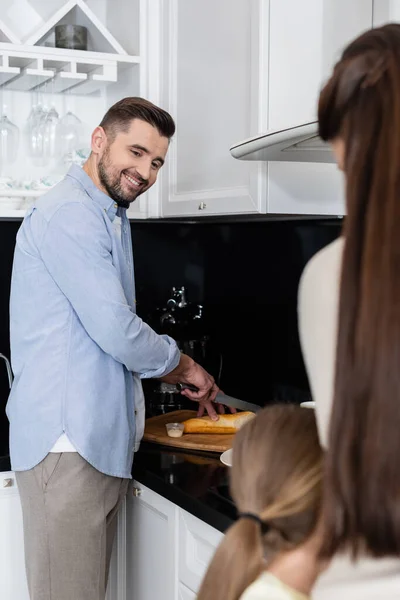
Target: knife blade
{"type": "Point", "coordinates": [236, 403]}
{"type": "Point", "coordinates": [223, 398]}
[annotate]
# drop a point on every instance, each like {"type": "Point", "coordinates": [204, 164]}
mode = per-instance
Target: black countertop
{"type": "Point", "coordinates": [195, 481]}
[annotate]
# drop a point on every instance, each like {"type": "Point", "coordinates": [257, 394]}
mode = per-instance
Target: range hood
{"type": "Point", "coordinates": [295, 144]}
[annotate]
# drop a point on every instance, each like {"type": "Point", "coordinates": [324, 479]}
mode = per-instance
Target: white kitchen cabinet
{"type": "Point", "coordinates": [225, 79]}
{"type": "Point", "coordinates": [305, 40]}
{"type": "Point", "coordinates": [386, 11]}
{"type": "Point", "coordinates": [116, 588]}
{"type": "Point", "coordinates": [13, 584]}
{"type": "Point", "coordinates": [185, 594]}
{"type": "Point", "coordinates": [165, 540]}
{"type": "Point", "coordinates": [210, 60]}
{"type": "Point", "coordinates": [197, 543]}
{"type": "Point", "coordinates": [151, 565]}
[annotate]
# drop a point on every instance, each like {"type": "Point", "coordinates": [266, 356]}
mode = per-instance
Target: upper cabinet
{"type": "Point", "coordinates": [212, 67]}
{"type": "Point", "coordinates": [305, 40]}
{"type": "Point", "coordinates": [386, 11]}
{"type": "Point", "coordinates": [230, 70]}
{"type": "Point", "coordinates": [225, 70]}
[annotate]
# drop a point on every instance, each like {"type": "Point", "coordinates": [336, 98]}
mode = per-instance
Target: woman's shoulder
{"type": "Point", "coordinates": [318, 307]}
{"type": "Point", "coordinates": [268, 586]}
{"type": "Point", "coordinates": [319, 286]}
{"type": "Point", "coordinates": [324, 265]}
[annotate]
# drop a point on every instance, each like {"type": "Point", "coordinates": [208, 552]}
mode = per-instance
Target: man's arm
{"type": "Point", "coordinates": [76, 251]}
{"type": "Point", "coordinates": [189, 371]}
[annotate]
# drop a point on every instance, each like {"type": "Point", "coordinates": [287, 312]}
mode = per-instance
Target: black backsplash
{"type": "Point", "coordinates": [246, 276]}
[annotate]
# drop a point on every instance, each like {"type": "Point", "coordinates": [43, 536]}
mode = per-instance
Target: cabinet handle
{"type": "Point", "coordinates": [8, 482]}
{"type": "Point", "coordinates": [136, 492]}
{"type": "Point", "coordinates": [202, 205]}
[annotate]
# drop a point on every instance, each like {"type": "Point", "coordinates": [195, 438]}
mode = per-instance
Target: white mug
{"type": "Point", "coordinates": [309, 404]}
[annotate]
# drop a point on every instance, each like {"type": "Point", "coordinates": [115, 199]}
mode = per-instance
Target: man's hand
{"type": "Point", "coordinates": [210, 407]}
{"type": "Point", "coordinates": [189, 371]}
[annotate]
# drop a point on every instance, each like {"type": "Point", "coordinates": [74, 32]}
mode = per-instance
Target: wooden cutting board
{"type": "Point", "coordinates": [155, 431]}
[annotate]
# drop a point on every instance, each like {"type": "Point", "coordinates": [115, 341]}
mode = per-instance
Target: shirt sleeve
{"type": "Point", "coordinates": [76, 250]}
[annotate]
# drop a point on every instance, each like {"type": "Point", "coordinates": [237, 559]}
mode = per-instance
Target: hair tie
{"type": "Point", "coordinates": [253, 517]}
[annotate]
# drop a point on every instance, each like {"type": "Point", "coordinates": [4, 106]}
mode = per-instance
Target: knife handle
{"type": "Point", "coordinates": [186, 386]}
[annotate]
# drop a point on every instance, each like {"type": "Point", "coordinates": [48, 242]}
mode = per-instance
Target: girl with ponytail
{"type": "Point", "coordinates": [276, 485]}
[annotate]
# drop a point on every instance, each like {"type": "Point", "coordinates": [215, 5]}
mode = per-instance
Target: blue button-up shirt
{"type": "Point", "coordinates": [75, 338]}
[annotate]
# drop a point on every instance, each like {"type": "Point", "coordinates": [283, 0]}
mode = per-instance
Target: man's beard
{"type": "Point", "coordinates": [112, 184]}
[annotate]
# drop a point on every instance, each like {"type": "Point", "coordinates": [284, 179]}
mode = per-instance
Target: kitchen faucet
{"type": "Point", "coordinates": [9, 371]}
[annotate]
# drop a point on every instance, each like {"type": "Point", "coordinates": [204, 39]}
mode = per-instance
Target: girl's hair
{"type": "Point", "coordinates": [360, 104]}
{"type": "Point", "coordinates": [276, 475]}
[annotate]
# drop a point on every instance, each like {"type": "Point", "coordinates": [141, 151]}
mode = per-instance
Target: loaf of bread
{"type": "Point", "coordinates": [226, 423]}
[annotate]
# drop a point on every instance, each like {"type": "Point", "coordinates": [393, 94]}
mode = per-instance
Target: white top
{"type": "Point", "coordinates": [368, 579]}
{"type": "Point", "coordinates": [64, 444]}
{"type": "Point", "coordinates": [268, 587]}
{"type": "Point", "coordinates": [318, 315]}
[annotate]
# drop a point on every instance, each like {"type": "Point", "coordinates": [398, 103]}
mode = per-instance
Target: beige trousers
{"type": "Point", "coordinates": [69, 514]}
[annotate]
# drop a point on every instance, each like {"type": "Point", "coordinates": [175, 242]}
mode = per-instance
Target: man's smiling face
{"type": "Point", "coordinates": [130, 162]}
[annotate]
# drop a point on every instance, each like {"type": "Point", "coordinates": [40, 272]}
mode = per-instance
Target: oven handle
{"type": "Point", "coordinates": [8, 367]}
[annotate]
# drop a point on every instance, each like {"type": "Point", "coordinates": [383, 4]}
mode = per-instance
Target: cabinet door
{"type": "Point", "coordinates": [151, 546]}
{"type": "Point", "coordinates": [386, 11]}
{"type": "Point", "coordinates": [209, 75]}
{"type": "Point", "coordinates": [13, 584]}
{"type": "Point", "coordinates": [305, 40]}
{"type": "Point", "coordinates": [197, 544]}
{"type": "Point", "coordinates": [185, 594]}
{"type": "Point", "coordinates": [116, 588]}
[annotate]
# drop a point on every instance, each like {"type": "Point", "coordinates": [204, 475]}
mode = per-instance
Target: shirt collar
{"type": "Point", "coordinates": [107, 204]}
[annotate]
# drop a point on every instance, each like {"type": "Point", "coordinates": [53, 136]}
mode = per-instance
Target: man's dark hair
{"type": "Point", "coordinates": [120, 115]}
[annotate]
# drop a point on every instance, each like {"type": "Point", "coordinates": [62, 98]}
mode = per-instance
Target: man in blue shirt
{"type": "Point", "coordinates": [79, 351]}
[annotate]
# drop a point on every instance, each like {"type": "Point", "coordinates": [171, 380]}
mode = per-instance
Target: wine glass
{"type": "Point", "coordinates": [9, 142]}
{"type": "Point", "coordinates": [70, 133]}
{"type": "Point", "coordinates": [34, 131]}
{"type": "Point", "coordinates": [51, 134]}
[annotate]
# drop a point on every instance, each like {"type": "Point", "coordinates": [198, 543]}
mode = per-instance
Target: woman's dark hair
{"type": "Point", "coordinates": [360, 104]}
{"type": "Point", "coordinates": [120, 115]}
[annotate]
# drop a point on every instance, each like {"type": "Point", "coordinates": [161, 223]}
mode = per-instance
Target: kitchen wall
{"type": "Point", "coordinates": [244, 273]}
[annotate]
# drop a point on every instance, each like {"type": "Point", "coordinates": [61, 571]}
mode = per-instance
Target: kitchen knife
{"type": "Point", "coordinates": [223, 398]}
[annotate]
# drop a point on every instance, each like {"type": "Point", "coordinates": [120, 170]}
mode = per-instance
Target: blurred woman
{"type": "Point", "coordinates": [349, 315]}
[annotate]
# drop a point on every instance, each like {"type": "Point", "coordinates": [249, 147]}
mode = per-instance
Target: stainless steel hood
{"type": "Point", "coordinates": [294, 144]}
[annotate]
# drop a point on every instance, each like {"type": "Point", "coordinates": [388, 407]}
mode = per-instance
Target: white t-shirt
{"type": "Point", "coordinates": [64, 444]}
{"type": "Point", "coordinates": [268, 587]}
